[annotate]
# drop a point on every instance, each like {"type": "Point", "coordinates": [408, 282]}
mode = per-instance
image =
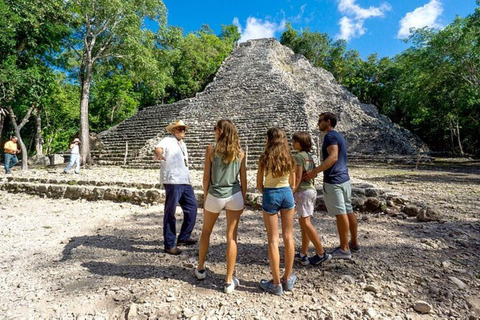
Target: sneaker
{"type": "Point", "coordinates": [229, 287]}
{"type": "Point", "coordinates": [200, 274]}
{"type": "Point", "coordinates": [317, 259]}
{"type": "Point", "coordinates": [303, 259]}
{"type": "Point", "coordinates": [271, 288]}
{"type": "Point", "coordinates": [353, 248]}
{"type": "Point", "coordinates": [338, 253]}
{"type": "Point", "coordinates": [288, 285]}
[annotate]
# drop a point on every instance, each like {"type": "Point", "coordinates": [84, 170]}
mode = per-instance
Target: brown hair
{"type": "Point", "coordinates": [228, 143]}
{"type": "Point", "coordinates": [304, 139]}
{"type": "Point", "coordinates": [277, 158]}
{"type": "Point", "coordinates": [330, 116]}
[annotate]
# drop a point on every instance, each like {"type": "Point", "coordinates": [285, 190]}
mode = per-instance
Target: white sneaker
{"type": "Point", "coordinates": [200, 274]}
{"type": "Point", "coordinates": [229, 287]}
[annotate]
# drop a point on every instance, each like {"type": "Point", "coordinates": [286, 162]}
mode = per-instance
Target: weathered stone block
{"type": "Point", "coordinates": [372, 204]}
{"type": "Point", "coordinates": [358, 203]}
{"type": "Point", "coordinates": [411, 210]}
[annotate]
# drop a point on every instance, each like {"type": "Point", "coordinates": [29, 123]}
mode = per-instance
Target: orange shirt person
{"type": "Point", "coordinates": [10, 149]}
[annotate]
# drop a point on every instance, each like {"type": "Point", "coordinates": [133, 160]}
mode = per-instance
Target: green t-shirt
{"type": "Point", "coordinates": [305, 160]}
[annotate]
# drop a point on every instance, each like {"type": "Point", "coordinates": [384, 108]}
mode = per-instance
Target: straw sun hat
{"type": "Point", "coordinates": [175, 124]}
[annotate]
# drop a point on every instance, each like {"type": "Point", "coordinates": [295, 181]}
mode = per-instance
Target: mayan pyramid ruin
{"type": "Point", "coordinates": [260, 85]}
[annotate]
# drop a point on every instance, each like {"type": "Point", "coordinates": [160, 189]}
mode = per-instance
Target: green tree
{"type": "Point", "coordinates": [30, 34]}
{"type": "Point", "coordinates": [105, 31]}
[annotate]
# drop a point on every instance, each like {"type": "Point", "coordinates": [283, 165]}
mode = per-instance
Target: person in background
{"type": "Point", "coordinates": [10, 157]}
{"type": "Point", "coordinates": [74, 156]}
{"type": "Point", "coordinates": [224, 162]}
{"type": "Point", "coordinates": [276, 179]}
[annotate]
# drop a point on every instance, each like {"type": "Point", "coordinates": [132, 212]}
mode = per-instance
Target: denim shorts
{"type": "Point", "coordinates": [276, 199]}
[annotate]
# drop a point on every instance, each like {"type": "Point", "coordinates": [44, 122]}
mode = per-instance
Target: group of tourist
{"type": "Point", "coordinates": [286, 182]}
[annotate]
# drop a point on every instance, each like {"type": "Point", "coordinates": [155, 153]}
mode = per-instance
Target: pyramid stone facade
{"type": "Point", "coordinates": [260, 85]}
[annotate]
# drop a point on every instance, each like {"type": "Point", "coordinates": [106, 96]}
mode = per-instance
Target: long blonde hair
{"type": "Point", "coordinates": [277, 158]}
{"type": "Point", "coordinates": [228, 143]}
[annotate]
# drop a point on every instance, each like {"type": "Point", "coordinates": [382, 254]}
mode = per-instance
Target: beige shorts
{"type": "Point", "coordinates": [305, 202]}
{"type": "Point", "coordinates": [216, 205]}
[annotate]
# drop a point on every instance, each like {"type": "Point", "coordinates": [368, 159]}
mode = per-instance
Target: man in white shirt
{"type": "Point", "coordinates": [74, 156]}
{"type": "Point", "coordinates": [175, 177]}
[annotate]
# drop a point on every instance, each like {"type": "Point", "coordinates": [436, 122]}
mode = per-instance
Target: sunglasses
{"type": "Point", "coordinates": [180, 129]}
{"type": "Point", "coordinates": [320, 120]}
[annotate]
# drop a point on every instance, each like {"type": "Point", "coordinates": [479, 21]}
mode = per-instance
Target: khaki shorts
{"type": "Point", "coordinates": [305, 202]}
{"type": "Point", "coordinates": [338, 198]}
{"type": "Point", "coordinates": [216, 205]}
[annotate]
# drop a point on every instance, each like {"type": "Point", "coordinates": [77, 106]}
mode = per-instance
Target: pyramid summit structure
{"type": "Point", "coordinates": [260, 85]}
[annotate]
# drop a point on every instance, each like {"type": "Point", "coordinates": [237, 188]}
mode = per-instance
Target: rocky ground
{"type": "Point", "coordinates": [69, 259]}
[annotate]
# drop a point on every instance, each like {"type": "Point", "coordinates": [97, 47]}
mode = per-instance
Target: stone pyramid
{"type": "Point", "coordinates": [260, 85]}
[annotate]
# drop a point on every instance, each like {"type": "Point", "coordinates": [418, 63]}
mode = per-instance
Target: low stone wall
{"type": "Point", "coordinates": [365, 197]}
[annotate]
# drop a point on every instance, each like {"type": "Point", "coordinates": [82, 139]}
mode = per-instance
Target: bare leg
{"type": "Point", "coordinates": [343, 228]}
{"type": "Point", "coordinates": [209, 219]}
{"type": "Point", "coordinates": [233, 217]}
{"type": "Point", "coordinates": [352, 220]}
{"type": "Point", "coordinates": [306, 225]}
{"type": "Point", "coordinates": [288, 242]}
{"type": "Point", "coordinates": [271, 224]}
{"type": "Point", "coordinates": [305, 238]}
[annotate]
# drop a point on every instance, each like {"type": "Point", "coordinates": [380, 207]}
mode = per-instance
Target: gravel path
{"type": "Point", "coordinates": [69, 259]}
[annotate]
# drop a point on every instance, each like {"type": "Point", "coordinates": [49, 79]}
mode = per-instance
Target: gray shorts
{"type": "Point", "coordinates": [305, 202]}
{"type": "Point", "coordinates": [338, 198]}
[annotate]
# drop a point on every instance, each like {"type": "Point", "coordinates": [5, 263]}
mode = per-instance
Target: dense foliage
{"type": "Point", "coordinates": [432, 88]}
{"type": "Point", "coordinates": [97, 62]}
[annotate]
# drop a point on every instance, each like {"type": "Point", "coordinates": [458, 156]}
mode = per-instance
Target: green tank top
{"type": "Point", "coordinates": [224, 178]}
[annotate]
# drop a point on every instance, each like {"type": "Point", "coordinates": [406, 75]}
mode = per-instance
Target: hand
{"type": "Point", "coordinates": [156, 158]}
{"type": "Point", "coordinates": [309, 175]}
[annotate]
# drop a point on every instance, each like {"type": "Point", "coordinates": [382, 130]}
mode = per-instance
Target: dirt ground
{"type": "Point", "coordinates": [64, 259]}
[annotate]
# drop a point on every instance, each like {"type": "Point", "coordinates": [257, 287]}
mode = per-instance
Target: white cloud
{"type": "Point", "coordinates": [258, 28]}
{"type": "Point", "coordinates": [350, 28]}
{"type": "Point", "coordinates": [349, 7]}
{"type": "Point", "coordinates": [351, 24]}
{"type": "Point", "coordinates": [425, 16]}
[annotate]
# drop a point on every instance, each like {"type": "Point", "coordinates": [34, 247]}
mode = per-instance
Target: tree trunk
{"type": "Point", "coordinates": [2, 121]}
{"type": "Point", "coordinates": [18, 127]}
{"type": "Point", "coordinates": [38, 135]}
{"type": "Point", "coordinates": [84, 125]}
{"type": "Point", "coordinates": [460, 147]}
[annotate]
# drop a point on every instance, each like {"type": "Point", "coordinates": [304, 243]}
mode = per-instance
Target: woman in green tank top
{"type": "Point", "coordinates": [222, 189]}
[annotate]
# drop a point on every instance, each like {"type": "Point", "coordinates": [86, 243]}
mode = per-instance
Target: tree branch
{"type": "Point", "coordinates": [27, 116]}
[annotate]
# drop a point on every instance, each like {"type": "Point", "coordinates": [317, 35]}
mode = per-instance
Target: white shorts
{"type": "Point", "coordinates": [305, 202]}
{"type": "Point", "coordinates": [216, 205]}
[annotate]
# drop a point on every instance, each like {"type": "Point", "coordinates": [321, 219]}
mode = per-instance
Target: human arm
{"type": "Point", "coordinates": [293, 180]}
{"type": "Point", "coordinates": [260, 178]}
{"type": "Point", "coordinates": [332, 158]}
{"type": "Point", "coordinates": [243, 175]}
{"type": "Point", "coordinates": [207, 165]}
{"type": "Point", "coordinates": [158, 151]}
{"type": "Point", "coordinates": [298, 176]}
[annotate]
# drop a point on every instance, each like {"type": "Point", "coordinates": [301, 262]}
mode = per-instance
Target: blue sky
{"type": "Point", "coordinates": [369, 26]}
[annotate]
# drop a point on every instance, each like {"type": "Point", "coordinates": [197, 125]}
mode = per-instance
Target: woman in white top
{"type": "Point", "coordinates": [74, 156]}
